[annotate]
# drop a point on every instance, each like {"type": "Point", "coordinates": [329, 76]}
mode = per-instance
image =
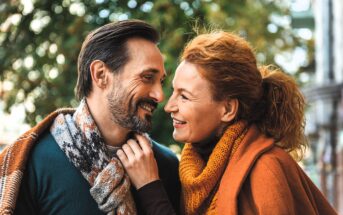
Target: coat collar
{"type": "Point", "coordinates": [13, 161]}
{"type": "Point", "coordinates": [252, 147]}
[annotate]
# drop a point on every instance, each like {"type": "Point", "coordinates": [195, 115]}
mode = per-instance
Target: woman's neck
{"type": "Point", "coordinates": [206, 146]}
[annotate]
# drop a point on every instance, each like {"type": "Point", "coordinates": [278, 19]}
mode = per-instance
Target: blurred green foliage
{"type": "Point", "coordinates": [39, 45]}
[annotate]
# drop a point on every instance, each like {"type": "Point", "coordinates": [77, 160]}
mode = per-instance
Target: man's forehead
{"type": "Point", "coordinates": [144, 50]}
{"type": "Point", "coordinates": [138, 43]}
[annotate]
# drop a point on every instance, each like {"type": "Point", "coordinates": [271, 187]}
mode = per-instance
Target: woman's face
{"type": "Point", "coordinates": [196, 116]}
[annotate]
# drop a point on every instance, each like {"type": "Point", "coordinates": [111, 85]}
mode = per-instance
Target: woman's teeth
{"type": "Point", "coordinates": [178, 121]}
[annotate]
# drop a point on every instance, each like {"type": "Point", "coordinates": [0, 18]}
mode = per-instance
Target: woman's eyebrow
{"type": "Point", "coordinates": [185, 90]}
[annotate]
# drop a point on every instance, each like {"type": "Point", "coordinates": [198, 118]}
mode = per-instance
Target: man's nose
{"type": "Point", "coordinates": [157, 93]}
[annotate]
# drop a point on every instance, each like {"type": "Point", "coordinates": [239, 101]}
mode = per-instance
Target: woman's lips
{"type": "Point", "coordinates": [178, 123]}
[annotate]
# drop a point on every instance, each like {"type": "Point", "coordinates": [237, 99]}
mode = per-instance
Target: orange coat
{"type": "Point", "coordinates": [261, 178]}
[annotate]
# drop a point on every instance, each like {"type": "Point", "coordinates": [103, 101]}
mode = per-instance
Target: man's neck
{"type": "Point", "coordinates": [113, 134]}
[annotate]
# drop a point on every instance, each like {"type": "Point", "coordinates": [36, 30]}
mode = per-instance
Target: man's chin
{"type": "Point", "coordinates": [143, 129]}
{"type": "Point", "coordinates": [142, 125]}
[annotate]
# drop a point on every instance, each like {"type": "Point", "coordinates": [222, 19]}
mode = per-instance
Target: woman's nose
{"type": "Point", "coordinates": [171, 105]}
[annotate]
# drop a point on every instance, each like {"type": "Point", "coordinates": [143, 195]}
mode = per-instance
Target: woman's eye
{"type": "Point", "coordinates": [183, 97]}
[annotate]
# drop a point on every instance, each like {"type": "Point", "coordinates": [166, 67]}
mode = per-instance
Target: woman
{"type": "Point", "coordinates": [239, 123]}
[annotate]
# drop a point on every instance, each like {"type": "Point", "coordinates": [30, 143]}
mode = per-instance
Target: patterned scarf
{"type": "Point", "coordinates": [200, 180]}
{"type": "Point", "coordinates": [79, 138]}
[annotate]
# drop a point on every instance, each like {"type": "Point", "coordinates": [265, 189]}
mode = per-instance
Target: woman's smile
{"type": "Point", "coordinates": [178, 123]}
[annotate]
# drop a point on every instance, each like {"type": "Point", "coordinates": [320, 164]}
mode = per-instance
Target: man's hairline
{"type": "Point", "coordinates": [128, 51]}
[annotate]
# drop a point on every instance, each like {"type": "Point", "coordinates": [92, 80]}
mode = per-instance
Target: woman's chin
{"type": "Point", "coordinates": [179, 138]}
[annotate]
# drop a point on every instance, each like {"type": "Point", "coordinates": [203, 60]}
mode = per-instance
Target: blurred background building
{"type": "Point", "coordinates": [324, 95]}
{"type": "Point", "coordinates": [40, 41]}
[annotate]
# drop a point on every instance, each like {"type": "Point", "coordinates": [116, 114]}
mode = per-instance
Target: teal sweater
{"type": "Point", "coordinates": [52, 185]}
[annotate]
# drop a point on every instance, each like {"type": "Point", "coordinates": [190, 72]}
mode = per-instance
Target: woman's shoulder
{"type": "Point", "coordinates": [278, 155]}
{"type": "Point", "coordinates": [276, 179]}
{"type": "Point", "coordinates": [277, 163]}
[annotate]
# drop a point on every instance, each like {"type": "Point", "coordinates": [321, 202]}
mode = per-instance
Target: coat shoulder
{"type": "Point", "coordinates": [267, 185]}
{"type": "Point", "coordinates": [162, 152]}
{"type": "Point", "coordinates": [278, 185]}
{"type": "Point", "coordinates": [276, 162]}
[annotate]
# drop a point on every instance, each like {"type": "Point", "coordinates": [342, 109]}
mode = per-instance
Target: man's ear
{"type": "Point", "coordinates": [99, 73]}
{"type": "Point", "coordinates": [231, 109]}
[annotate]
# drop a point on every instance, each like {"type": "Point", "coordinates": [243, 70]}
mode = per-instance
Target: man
{"type": "Point", "coordinates": [66, 164]}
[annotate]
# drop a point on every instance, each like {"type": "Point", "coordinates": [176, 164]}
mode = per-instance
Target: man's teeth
{"type": "Point", "coordinates": [147, 107]}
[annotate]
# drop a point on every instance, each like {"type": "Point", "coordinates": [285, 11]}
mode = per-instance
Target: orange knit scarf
{"type": "Point", "coordinates": [200, 179]}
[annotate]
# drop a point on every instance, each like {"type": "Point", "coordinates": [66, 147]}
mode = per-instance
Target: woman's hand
{"type": "Point", "coordinates": [138, 160]}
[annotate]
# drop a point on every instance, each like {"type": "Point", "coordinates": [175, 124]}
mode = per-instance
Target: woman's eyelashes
{"type": "Point", "coordinates": [183, 97]}
{"type": "Point", "coordinates": [179, 94]}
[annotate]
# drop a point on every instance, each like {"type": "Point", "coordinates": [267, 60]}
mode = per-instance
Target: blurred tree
{"type": "Point", "coordinates": [40, 41]}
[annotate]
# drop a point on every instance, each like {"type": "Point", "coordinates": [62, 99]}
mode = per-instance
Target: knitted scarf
{"type": "Point", "coordinates": [79, 138]}
{"type": "Point", "coordinates": [200, 180]}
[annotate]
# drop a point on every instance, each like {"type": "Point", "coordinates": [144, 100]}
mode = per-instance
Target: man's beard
{"type": "Point", "coordinates": [125, 113]}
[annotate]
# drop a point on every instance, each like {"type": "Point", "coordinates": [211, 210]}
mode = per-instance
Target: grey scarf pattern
{"type": "Point", "coordinates": [79, 138]}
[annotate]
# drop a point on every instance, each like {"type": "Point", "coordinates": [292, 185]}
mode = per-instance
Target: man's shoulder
{"type": "Point", "coordinates": [47, 158]}
{"type": "Point", "coordinates": [56, 181]}
{"type": "Point", "coordinates": [168, 168]}
{"type": "Point", "coordinates": [45, 148]}
{"type": "Point", "coordinates": [166, 159]}
{"type": "Point", "coordinates": [163, 152]}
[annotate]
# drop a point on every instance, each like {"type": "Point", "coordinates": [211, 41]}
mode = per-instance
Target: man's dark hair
{"type": "Point", "coordinates": [109, 44]}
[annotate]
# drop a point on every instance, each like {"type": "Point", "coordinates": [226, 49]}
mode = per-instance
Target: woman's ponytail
{"type": "Point", "coordinates": [283, 117]}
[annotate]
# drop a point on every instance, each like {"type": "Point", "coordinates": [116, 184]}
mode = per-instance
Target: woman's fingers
{"type": "Point", "coordinates": [138, 160]}
{"type": "Point", "coordinates": [136, 149]}
{"type": "Point", "coordinates": [122, 157]}
{"type": "Point", "coordinates": [134, 153]}
{"type": "Point", "coordinates": [144, 142]}
{"type": "Point", "coordinates": [128, 152]}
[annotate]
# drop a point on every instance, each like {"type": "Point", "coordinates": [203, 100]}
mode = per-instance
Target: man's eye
{"type": "Point", "coordinates": [148, 77]}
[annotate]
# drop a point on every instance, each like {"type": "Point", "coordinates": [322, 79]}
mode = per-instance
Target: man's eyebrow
{"type": "Point", "coordinates": [150, 70]}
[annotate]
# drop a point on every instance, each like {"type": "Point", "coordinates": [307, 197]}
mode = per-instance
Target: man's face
{"type": "Point", "coordinates": [137, 89]}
